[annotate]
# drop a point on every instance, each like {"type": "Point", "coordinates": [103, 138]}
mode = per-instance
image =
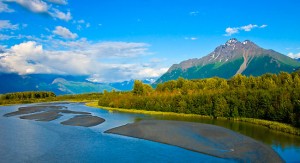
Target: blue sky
{"type": "Point", "coordinates": [129, 39]}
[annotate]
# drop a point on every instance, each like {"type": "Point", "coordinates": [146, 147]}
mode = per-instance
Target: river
{"type": "Point", "coordinates": [32, 141]}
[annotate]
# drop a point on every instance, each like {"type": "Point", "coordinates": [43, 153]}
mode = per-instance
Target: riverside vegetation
{"type": "Point", "coordinates": [270, 100]}
{"type": "Point", "coordinates": [259, 100]}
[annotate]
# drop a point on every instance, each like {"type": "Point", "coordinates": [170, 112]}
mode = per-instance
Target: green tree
{"type": "Point", "coordinates": [138, 88]}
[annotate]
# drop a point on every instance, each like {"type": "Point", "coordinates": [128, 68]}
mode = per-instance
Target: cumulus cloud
{"type": "Point", "coordinates": [5, 24]}
{"type": "Point", "coordinates": [39, 6]}
{"type": "Point", "coordinates": [4, 8]}
{"type": "Point", "coordinates": [60, 2]}
{"type": "Point", "coordinates": [5, 37]}
{"type": "Point", "coordinates": [60, 15]}
{"type": "Point", "coordinates": [230, 31]}
{"type": "Point", "coordinates": [151, 72]}
{"type": "Point", "coordinates": [64, 32]}
{"type": "Point", "coordinates": [81, 23]}
{"type": "Point", "coordinates": [247, 28]}
{"type": "Point", "coordinates": [294, 56]}
{"type": "Point", "coordinates": [31, 57]}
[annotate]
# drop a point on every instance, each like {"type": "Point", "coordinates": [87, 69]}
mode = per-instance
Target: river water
{"type": "Point", "coordinates": [32, 141]}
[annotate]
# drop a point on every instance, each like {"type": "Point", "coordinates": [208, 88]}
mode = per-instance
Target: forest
{"type": "Point", "coordinates": [40, 96]}
{"type": "Point", "coordinates": [26, 97]}
{"type": "Point", "coordinates": [269, 97]}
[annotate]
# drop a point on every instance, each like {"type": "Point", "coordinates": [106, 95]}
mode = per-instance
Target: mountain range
{"type": "Point", "coordinates": [233, 57]}
{"type": "Point", "coordinates": [59, 84]}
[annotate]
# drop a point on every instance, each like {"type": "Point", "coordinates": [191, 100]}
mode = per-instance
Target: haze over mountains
{"type": "Point", "coordinates": [233, 57]}
{"type": "Point", "coordinates": [59, 84]}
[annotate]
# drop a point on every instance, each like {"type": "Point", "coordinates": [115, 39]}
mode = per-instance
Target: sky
{"type": "Point", "coordinates": [118, 40]}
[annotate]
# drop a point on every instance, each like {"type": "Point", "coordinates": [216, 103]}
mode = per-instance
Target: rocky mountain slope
{"type": "Point", "coordinates": [233, 57]}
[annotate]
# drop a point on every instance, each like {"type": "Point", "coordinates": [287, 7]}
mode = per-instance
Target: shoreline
{"type": "Point", "coordinates": [272, 125]}
{"type": "Point", "coordinates": [199, 137]}
{"type": "Point", "coordinates": [276, 126]}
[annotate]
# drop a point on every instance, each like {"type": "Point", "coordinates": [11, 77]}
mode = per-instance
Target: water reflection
{"type": "Point", "coordinates": [257, 132]}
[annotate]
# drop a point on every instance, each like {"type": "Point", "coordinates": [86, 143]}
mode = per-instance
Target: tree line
{"type": "Point", "coordinates": [270, 97]}
{"type": "Point", "coordinates": [25, 97]}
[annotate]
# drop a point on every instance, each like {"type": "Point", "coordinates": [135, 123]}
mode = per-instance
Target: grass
{"type": "Point", "coordinates": [136, 111]}
{"type": "Point", "coordinates": [286, 128]}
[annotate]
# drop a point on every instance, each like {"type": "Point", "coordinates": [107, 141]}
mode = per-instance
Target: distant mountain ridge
{"type": "Point", "coordinates": [233, 57]}
{"type": "Point", "coordinates": [60, 84]}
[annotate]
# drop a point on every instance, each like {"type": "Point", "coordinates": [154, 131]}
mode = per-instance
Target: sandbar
{"type": "Point", "coordinates": [204, 138]}
{"type": "Point", "coordinates": [83, 120]}
{"type": "Point", "coordinates": [33, 109]}
{"type": "Point", "coordinates": [49, 112]}
{"type": "Point", "coordinates": [50, 115]}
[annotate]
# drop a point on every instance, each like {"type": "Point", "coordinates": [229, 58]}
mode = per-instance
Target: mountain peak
{"type": "Point", "coordinates": [231, 41]}
{"type": "Point", "coordinates": [233, 57]}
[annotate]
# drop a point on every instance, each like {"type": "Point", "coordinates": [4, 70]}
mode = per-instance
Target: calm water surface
{"type": "Point", "coordinates": [31, 141]}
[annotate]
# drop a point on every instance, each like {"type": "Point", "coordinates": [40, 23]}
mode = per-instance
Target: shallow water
{"type": "Point", "coordinates": [32, 141]}
{"type": "Point", "coordinates": [286, 145]}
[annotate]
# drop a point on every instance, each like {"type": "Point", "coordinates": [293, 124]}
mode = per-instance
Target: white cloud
{"type": "Point", "coordinates": [90, 59]}
{"type": "Point", "coordinates": [80, 21]}
{"type": "Point", "coordinates": [230, 31]}
{"type": "Point", "coordinates": [60, 15]}
{"type": "Point", "coordinates": [64, 32]}
{"type": "Point", "coordinates": [247, 28]}
{"type": "Point", "coordinates": [5, 24]}
{"type": "Point", "coordinates": [191, 38]}
{"type": "Point", "coordinates": [60, 2]}
{"type": "Point", "coordinates": [294, 56]}
{"type": "Point", "coordinates": [27, 48]}
{"type": "Point", "coordinates": [263, 26]}
{"type": "Point", "coordinates": [5, 37]}
{"type": "Point", "coordinates": [4, 8]}
{"type": "Point", "coordinates": [87, 25]}
{"type": "Point", "coordinates": [194, 13]}
{"type": "Point", "coordinates": [151, 72]}
{"type": "Point", "coordinates": [37, 6]}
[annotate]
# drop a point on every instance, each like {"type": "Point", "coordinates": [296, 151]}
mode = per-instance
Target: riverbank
{"type": "Point", "coordinates": [204, 138]}
{"type": "Point", "coordinates": [285, 128]}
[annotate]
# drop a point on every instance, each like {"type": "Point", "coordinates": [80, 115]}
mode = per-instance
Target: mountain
{"type": "Point", "coordinates": [59, 84]}
{"type": "Point", "coordinates": [233, 57]}
{"type": "Point", "coordinates": [128, 85]}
